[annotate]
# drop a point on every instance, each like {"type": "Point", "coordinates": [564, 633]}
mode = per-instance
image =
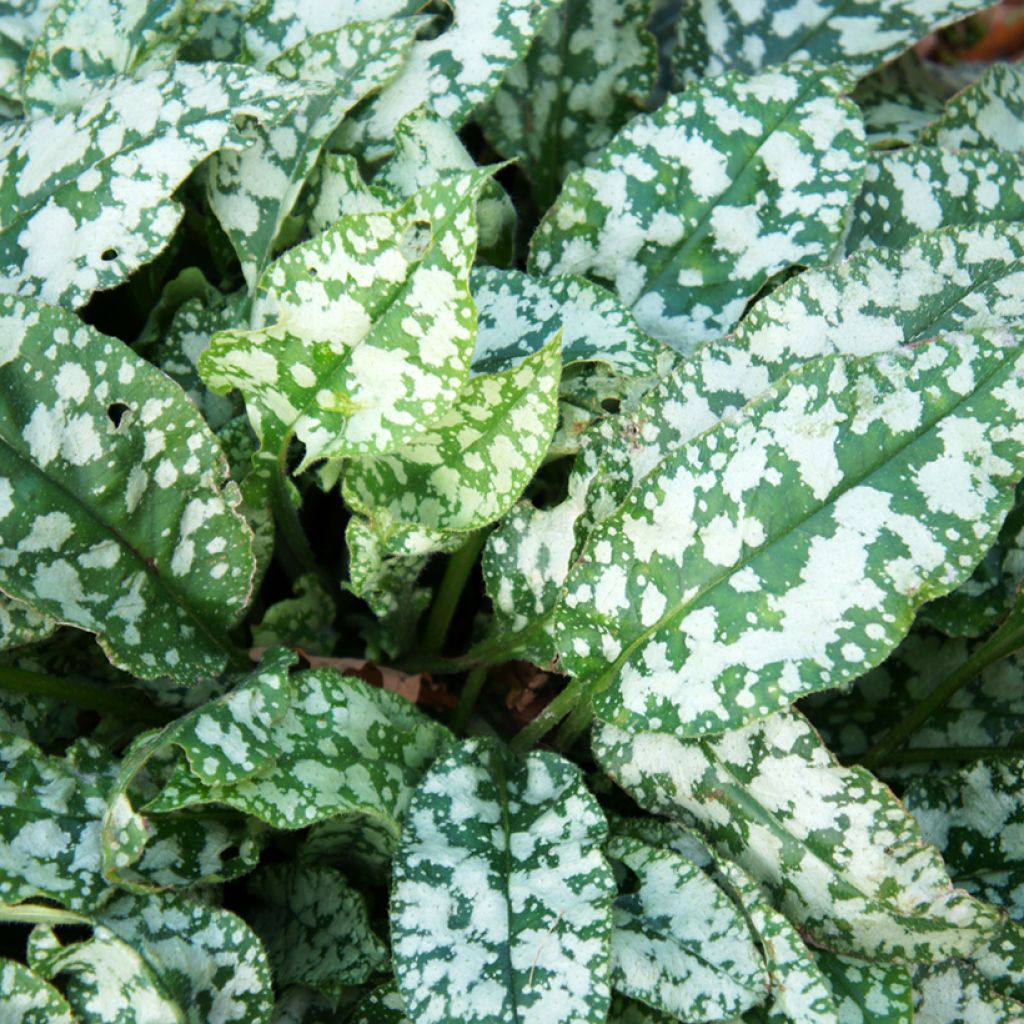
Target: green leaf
{"type": "Point", "coordinates": [469, 468]}
{"type": "Point", "coordinates": [336, 189]}
{"type": "Point", "coordinates": [834, 849]}
{"type": "Point", "coordinates": [453, 73]}
{"type": "Point", "coordinates": [841, 500]}
{"type": "Point", "coordinates": [868, 993]}
{"type": "Point", "coordinates": [363, 335]}
{"type": "Point", "coordinates": [140, 542]}
{"type": "Point", "coordinates": [678, 942]}
{"type": "Point", "coordinates": [719, 34]}
{"type": "Point", "coordinates": [85, 43]}
{"type": "Point", "coordinates": [382, 1006]}
{"type": "Point", "coordinates": [87, 196]}
{"type": "Point", "coordinates": [30, 1000]}
{"type": "Point", "coordinates": [900, 99]}
{"type": "Point", "coordinates": [305, 620]}
{"type": "Point", "coordinates": [923, 187]}
{"type": "Point", "coordinates": [253, 190]}
{"type": "Point", "coordinates": [955, 993]}
{"type": "Point", "coordinates": [990, 112]}
{"type": "Point", "coordinates": [502, 901]}
{"type": "Point", "coordinates": [761, 172]}
{"type": "Point", "coordinates": [21, 21]}
{"type": "Point", "coordinates": [315, 927]}
{"type": "Point", "coordinates": [590, 69]}
{"type": "Point", "coordinates": [360, 844]}
{"type": "Point", "coordinates": [21, 624]}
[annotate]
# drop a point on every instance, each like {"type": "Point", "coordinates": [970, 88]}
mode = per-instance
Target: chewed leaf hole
{"type": "Point", "coordinates": [108, 255]}
{"type": "Point", "coordinates": [610, 405]}
{"type": "Point", "coordinates": [115, 413]}
{"type": "Point", "coordinates": [229, 853]}
{"type": "Point", "coordinates": [313, 271]}
{"type": "Point", "coordinates": [415, 240]}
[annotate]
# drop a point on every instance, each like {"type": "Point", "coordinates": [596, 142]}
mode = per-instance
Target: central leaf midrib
{"type": "Point", "coordinates": [505, 950]}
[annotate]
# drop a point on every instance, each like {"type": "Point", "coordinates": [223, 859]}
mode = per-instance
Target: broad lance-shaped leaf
{"type": "Point", "coordinates": [921, 188]}
{"type": "Point", "coordinates": [691, 209]}
{"type": "Point", "coordinates": [956, 993]}
{"type": "Point", "coordinates": [84, 43]}
{"type": "Point", "coordinates": [502, 903]}
{"type": "Point", "coordinates": [253, 190]}
{"type": "Point", "coordinates": [866, 991]}
{"type": "Point", "coordinates": [715, 35]}
{"type": "Point", "coordinates": [836, 851]}
{"type": "Point", "coordinates": [20, 25]}
{"type": "Point", "coordinates": [160, 958]}
{"type": "Point", "coordinates": [453, 73]}
{"type": "Point", "coordinates": [87, 196]}
{"type": "Point", "coordinates": [364, 335]}
{"type": "Point", "coordinates": [140, 541]}
{"type": "Point", "coordinates": [678, 942]}
{"type": "Point", "coordinates": [990, 112]}
{"type": "Point", "coordinates": [30, 1000]}
{"type": "Point", "coordinates": [589, 70]}
{"type": "Point", "coordinates": [787, 549]}
{"type": "Point", "coordinates": [469, 468]}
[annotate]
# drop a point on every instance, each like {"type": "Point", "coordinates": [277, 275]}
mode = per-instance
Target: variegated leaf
{"type": "Point", "coordinates": [28, 999]}
{"type": "Point", "coordinates": [719, 34]}
{"type": "Point", "coordinates": [453, 73]}
{"type": "Point", "coordinates": [382, 1006]}
{"type": "Point", "coordinates": [469, 468]}
{"type": "Point", "coordinates": [866, 992]}
{"type": "Point", "coordinates": [502, 902]}
{"type": "Point", "coordinates": [690, 210]}
{"type": "Point", "coordinates": [955, 993]}
{"type": "Point", "coordinates": [360, 844]}
{"type": "Point", "coordinates": [87, 196]}
{"type": "Point", "coordinates": [21, 21]}
{"type": "Point", "coordinates": [336, 189]}
{"type": "Point", "coordinates": [363, 335]}
{"type": "Point", "coordinates": [990, 112]}
{"type": "Point", "coordinates": [21, 624]}
{"type": "Point", "coordinates": [900, 99]}
{"type": "Point", "coordinates": [305, 620]}
{"type": "Point", "coordinates": [837, 503]}
{"type": "Point", "coordinates": [252, 191]}
{"type": "Point", "coordinates": [590, 69]}
{"type": "Point", "coordinates": [678, 942]}
{"type": "Point", "coordinates": [833, 847]}
{"type": "Point", "coordinates": [315, 927]}
{"type": "Point", "coordinates": [140, 542]}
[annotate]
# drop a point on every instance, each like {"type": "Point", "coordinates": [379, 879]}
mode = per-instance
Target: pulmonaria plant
{"type": "Point", "coordinates": [509, 514]}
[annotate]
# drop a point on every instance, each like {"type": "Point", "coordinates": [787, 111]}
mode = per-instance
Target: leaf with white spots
{"type": "Point", "coordinates": [787, 549]}
{"type": "Point", "coordinates": [899, 100]}
{"type": "Point", "coordinates": [861, 35]}
{"type": "Point", "coordinates": [924, 187]}
{"type": "Point", "coordinates": [315, 927]}
{"type": "Point", "coordinates": [21, 624]}
{"type": "Point", "coordinates": [336, 189]}
{"type": "Point", "coordinates": [866, 992]}
{"type": "Point", "coordinates": [469, 468]}
{"type": "Point", "coordinates": [501, 909]}
{"type": "Point", "coordinates": [28, 999]}
{"type": "Point", "coordinates": [690, 210]}
{"type": "Point", "coordinates": [590, 69]}
{"type": "Point", "coordinates": [832, 846]}
{"type": "Point", "coordinates": [253, 190]}
{"type": "Point", "coordinates": [88, 196]}
{"type": "Point", "coordinates": [363, 336]}
{"type": "Point", "coordinates": [990, 112]}
{"type": "Point", "coordinates": [453, 73]}
{"type": "Point", "coordinates": [21, 21]}
{"type": "Point", "coordinates": [382, 1006]}
{"type": "Point", "coordinates": [360, 844]}
{"type": "Point", "coordinates": [955, 993]}
{"type": "Point", "coordinates": [140, 542]}
{"type": "Point", "coordinates": [85, 43]}
{"type": "Point", "coordinates": [678, 942]}
{"type": "Point", "coordinates": [305, 620]}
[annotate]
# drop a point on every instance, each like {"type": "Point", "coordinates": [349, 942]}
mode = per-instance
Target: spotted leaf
{"type": "Point", "coordinates": [868, 992]}
{"type": "Point", "coordinates": [30, 1000]}
{"type": "Point", "coordinates": [835, 850]}
{"type": "Point", "coordinates": [691, 209]}
{"type": "Point", "coordinates": [382, 1006]}
{"type": "Point", "coordinates": [21, 624]}
{"type": "Point", "coordinates": [990, 112]}
{"type": "Point", "coordinates": [21, 22]}
{"type": "Point", "coordinates": [501, 907]}
{"type": "Point", "coordinates": [696, 608]}
{"type": "Point", "coordinates": [87, 196]}
{"type": "Point", "coordinates": [955, 993]}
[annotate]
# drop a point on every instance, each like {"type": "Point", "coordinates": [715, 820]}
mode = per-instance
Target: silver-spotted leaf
{"type": "Point", "coordinates": [28, 999]}
{"type": "Point", "coordinates": [21, 624]}
{"type": "Point", "coordinates": [690, 210]}
{"type": "Point", "coordinates": [502, 903]}
{"type": "Point", "coordinates": [989, 112]}
{"type": "Point", "coordinates": [21, 21]}
{"type": "Point", "coordinates": [116, 517]}
{"type": "Point", "coordinates": [305, 620]}
{"type": "Point", "coordinates": [381, 1006]}
{"type": "Point", "coordinates": [868, 992]}
{"type": "Point", "coordinates": [835, 850]}
{"type": "Point", "coordinates": [956, 993]}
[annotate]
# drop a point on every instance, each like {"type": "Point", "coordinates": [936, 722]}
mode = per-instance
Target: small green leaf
{"type": "Point", "coordinates": [502, 901]}
{"type": "Point", "coordinates": [21, 624]}
{"type": "Point", "coordinates": [900, 99]}
{"type": "Point", "coordinates": [989, 112]}
{"type": "Point", "coordinates": [30, 1000]}
{"type": "Point", "coordinates": [382, 1006]}
{"type": "Point", "coordinates": [305, 620]}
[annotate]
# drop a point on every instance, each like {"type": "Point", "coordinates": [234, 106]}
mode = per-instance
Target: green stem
{"type": "Point", "coordinates": [443, 610]}
{"type": "Point", "coordinates": [123, 703]}
{"type": "Point", "coordinates": [530, 735]}
{"type": "Point", "coordinates": [35, 913]}
{"type": "Point", "coordinates": [1007, 639]}
{"type": "Point", "coordinates": [468, 698]}
{"type": "Point", "coordinates": [575, 725]}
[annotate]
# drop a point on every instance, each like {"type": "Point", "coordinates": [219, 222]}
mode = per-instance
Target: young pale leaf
{"type": "Point", "coordinates": [955, 993]}
{"type": "Point", "coordinates": [787, 549]}
{"type": "Point", "coordinates": [87, 196]}
{"type": "Point", "coordinates": [85, 43]}
{"type": "Point", "coordinates": [140, 542]}
{"type": "Point", "coordinates": [469, 468]}
{"type": "Point", "coordinates": [990, 112]}
{"type": "Point", "coordinates": [833, 847]}
{"type": "Point", "coordinates": [252, 191]}
{"type": "Point", "coordinates": [719, 34]}
{"type": "Point", "coordinates": [691, 209]}
{"type": "Point", "coordinates": [315, 927]}
{"type": "Point", "coordinates": [868, 993]}
{"type": "Point", "coordinates": [924, 187]}
{"type": "Point", "coordinates": [28, 999]}
{"type": "Point", "coordinates": [453, 73]}
{"type": "Point", "coordinates": [590, 69]}
{"type": "Point", "coordinates": [502, 902]}
{"type": "Point", "coordinates": [678, 942]}
{"type": "Point", "coordinates": [364, 334]}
